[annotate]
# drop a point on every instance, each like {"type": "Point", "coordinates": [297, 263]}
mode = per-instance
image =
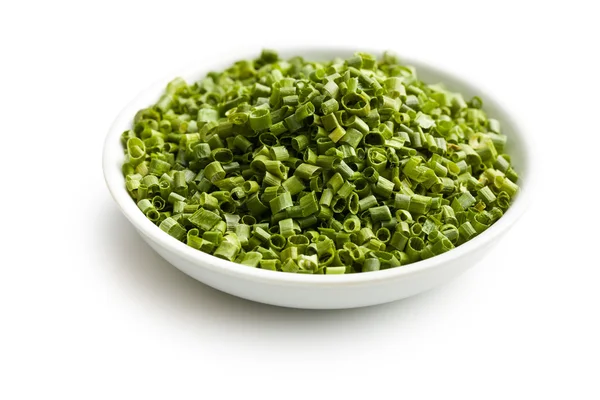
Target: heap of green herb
{"type": "Point", "coordinates": [318, 167]}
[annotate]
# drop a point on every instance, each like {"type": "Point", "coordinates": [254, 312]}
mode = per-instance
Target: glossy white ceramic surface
{"type": "Point", "coordinates": [317, 291]}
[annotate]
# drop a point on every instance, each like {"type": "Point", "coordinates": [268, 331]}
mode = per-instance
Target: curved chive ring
{"type": "Point", "coordinates": [356, 104]}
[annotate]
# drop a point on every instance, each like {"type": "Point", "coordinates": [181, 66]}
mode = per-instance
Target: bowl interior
{"type": "Point", "coordinates": [517, 147]}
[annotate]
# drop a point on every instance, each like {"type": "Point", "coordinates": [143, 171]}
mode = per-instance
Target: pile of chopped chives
{"type": "Point", "coordinates": [318, 167]}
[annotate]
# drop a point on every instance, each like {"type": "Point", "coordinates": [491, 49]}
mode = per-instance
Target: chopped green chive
{"type": "Point", "coordinates": [318, 167]}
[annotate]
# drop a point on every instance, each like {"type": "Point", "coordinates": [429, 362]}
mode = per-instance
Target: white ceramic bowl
{"type": "Point", "coordinates": [316, 291]}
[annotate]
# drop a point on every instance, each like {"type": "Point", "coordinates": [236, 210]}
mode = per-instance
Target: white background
{"type": "Point", "coordinates": [88, 311]}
